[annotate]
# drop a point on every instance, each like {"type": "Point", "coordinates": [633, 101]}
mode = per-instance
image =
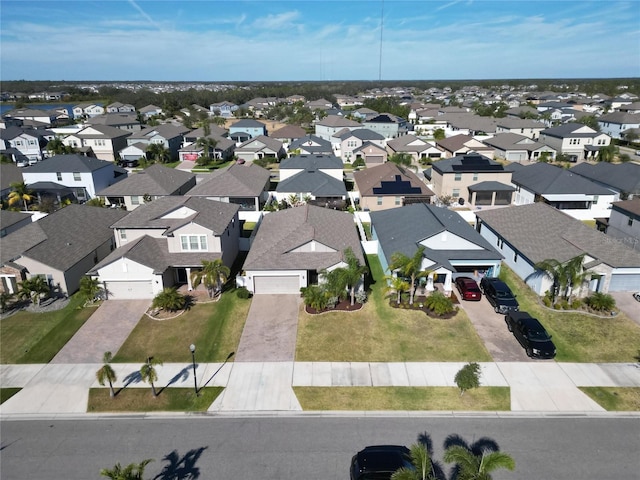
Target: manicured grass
{"type": "Point", "coordinates": [141, 400]}
{"type": "Point", "coordinates": [579, 337]}
{"type": "Point", "coordinates": [403, 398]}
{"type": "Point", "coordinates": [28, 337]}
{"type": "Point", "coordinates": [215, 329]}
{"type": "Point", "coordinates": [380, 333]}
{"type": "Point", "coordinates": [615, 399]}
{"type": "Point", "coordinates": [7, 393]}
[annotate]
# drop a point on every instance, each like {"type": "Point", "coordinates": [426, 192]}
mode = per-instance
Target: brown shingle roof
{"type": "Point", "coordinates": [372, 177]}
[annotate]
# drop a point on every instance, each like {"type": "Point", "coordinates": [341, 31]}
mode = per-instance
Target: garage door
{"type": "Point", "coordinates": [624, 283]}
{"type": "Point", "coordinates": [276, 284]}
{"type": "Point", "coordinates": [371, 159]}
{"type": "Point", "coordinates": [129, 290]}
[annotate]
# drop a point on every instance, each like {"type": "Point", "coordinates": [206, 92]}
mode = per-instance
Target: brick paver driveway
{"type": "Point", "coordinates": [105, 331]}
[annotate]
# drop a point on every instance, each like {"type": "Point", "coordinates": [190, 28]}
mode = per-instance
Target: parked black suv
{"type": "Point", "coordinates": [531, 335]}
{"type": "Point", "coordinates": [499, 295]}
{"type": "Point", "coordinates": [379, 462]}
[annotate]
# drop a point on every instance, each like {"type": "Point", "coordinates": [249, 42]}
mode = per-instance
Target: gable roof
{"type": "Point", "coordinates": [248, 123]}
{"type": "Point", "coordinates": [628, 206]}
{"type": "Point", "coordinates": [544, 178]}
{"type": "Point", "coordinates": [68, 163]}
{"type": "Point", "coordinates": [623, 177]}
{"type": "Point", "coordinates": [164, 130]}
{"type": "Point", "coordinates": [398, 180]}
{"type": "Point", "coordinates": [9, 173]}
{"type": "Point", "coordinates": [454, 143]}
{"type": "Point", "coordinates": [468, 162]}
{"type": "Point", "coordinates": [289, 131]}
{"type": "Point", "coordinates": [513, 141]}
{"type": "Point", "coordinates": [314, 181]}
{"type": "Point", "coordinates": [360, 133]}
{"type": "Point", "coordinates": [9, 218]}
{"type": "Point", "coordinates": [337, 121]}
{"type": "Point", "coordinates": [283, 231]}
{"type": "Point", "coordinates": [154, 180]}
{"type": "Point", "coordinates": [103, 131]}
{"type": "Point", "coordinates": [540, 232]}
{"type": "Point", "coordinates": [63, 238]}
{"type": "Point", "coordinates": [238, 180]}
{"type": "Point", "coordinates": [570, 130]}
{"type": "Point", "coordinates": [402, 229]}
{"type": "Point", "coordinates": [312, 162]}
{"type": "Point", "coordinates": [214, 132]}
{"type": "Point", "coordinates": [312, 144]}
{"type": "Point", "coordinates": [210, 214]}
{"type": "Point", "coordinates": [272, 144]}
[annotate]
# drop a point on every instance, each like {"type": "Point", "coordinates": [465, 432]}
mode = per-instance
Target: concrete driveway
{"type": "Point", "coordinates": [105, 331]}
{"type": "Point", "coordinates": [628, 305]}
{"type": "Point", "coordinates": [493, 331]}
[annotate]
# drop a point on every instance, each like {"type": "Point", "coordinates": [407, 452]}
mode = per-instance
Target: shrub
{"type": "Point", "coordinates": [169, 299]}
{"type": "Point", "coordinates": [576, 304]}
{"type": "Point", "coordinates": [439, 303]}
{"type": "Point", "coordinates": [243, 293]}
{"type": "Point", "coordinates": [361, 296]}
{"type": "Point", "coordinates": [562, 305]}
{"type": "Point", "coordinates": [546, 301]}
{"type": "Point", "coordinates": [601, 302]}
{"type": "Point", "coordinates": [468, 377]}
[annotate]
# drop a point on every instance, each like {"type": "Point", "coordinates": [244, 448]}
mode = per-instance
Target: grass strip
{"type": "Point", "coordinates": [7, 393]}
{"type": "Point", "coordinates": [615, 399]}
{"type": "Point", "coordinates": [141, 400]}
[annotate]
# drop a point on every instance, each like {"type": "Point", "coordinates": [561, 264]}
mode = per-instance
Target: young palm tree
{"type": "Point", "coordinates": [169, 299]}
{"type": "Point", "coordinates": [409, 267]}
{"type": "Point", "coordinates": [209, 145]}
{"type": "Point", "coordinates": [477, 466]}
{"type": "Point", "coordinates": [352, 274]}
{"type": "Point", "coordinates": [32, 288]}
{"type": "Point", "coordinates": [89, 288]}
{"type": "Point", "coordinates": [397, 285]}
{"type": "Point", "coordinates": [422, 466]}
{"type": "Point", "coordinates": [212, 275]}
{"type": "Point", "coordinates": [149, 375]}
{"type": "Point", "coordinates": [566, 276]}
{"type": "Point", "coordinates": [158, 153]}
{"type": "Point", "coordinates": [20, 193]}
{"type": "Point", "coordinates": [315, 297]}
{"type": "Point", "coordinates": [95, 202]}
{"type": "Point", "coordinates": [107, 374]}
{"type": "Point", "coordinates": [133, 471]}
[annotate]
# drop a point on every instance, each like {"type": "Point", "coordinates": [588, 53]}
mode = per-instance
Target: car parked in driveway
{"type": "Point", "coordinates": [499, 295]}
{"type": "Point", "coordinates": [531, 335]}
{"type": "Point", "coordinates": [468, 288]}
{"type": "Point", "coordinates": [379, 462]}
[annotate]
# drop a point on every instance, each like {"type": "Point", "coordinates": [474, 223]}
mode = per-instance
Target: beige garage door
{"type": "Point", "coordinates": [129, 290]}
{"type": "Point", "coordinates": [276, 284]}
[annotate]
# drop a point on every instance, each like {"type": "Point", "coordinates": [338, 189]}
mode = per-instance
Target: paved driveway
{"type": "Point", "coordinates": [493, 331]}
{"type": "Point", "coordinates": [627, 304]}
{"type": "Point", "coordinates": [105, 331]}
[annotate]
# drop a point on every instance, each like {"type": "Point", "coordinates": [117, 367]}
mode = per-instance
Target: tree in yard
{"type": "Point", "coordinates": [421, 463]}
{"type": "Point", "coordinates": [169, 299]}
{"type": "Point", "coordinates": [315, 297]}
{"type": "Point", "coordinates": [590, 121]}
{"type": "Point", "coordinates": [409, 267]}
{"type": "Point", "coordinates": [477, 465]}
{"type": "Point", "coordinates": [209, 144]}
{"type": "Point", "coordinates": [33, 288]}
{"type": "Point", "coordinates": [567, 277]}
{"type": "Point", "coordinates": [133, 471]}
{"type": "Point", "coordinates": [602, 302]}
{"type": "Point", "coordinates": [397, 285]}
{"type": "Point", "coordinates": [148, 373]}
{"type": "Point", "coordinates": [468, 377]}
{"type": "Point", "coordinates": [352, 274]}
{"type": "Point", "coordinates": [56, 147]}
{"type": "Point", "coordinates": [212, 275]}
{"type": "Point", "coordinates": [106, 373]}
{"type": "Point", "coordinates": [439, 304]}
{"type": "Point", "coordinates": [607, 153]}
{"type": "Point", "coordinates": [157, 152]}
{"type": "Point", "coordinates": [89, 288]}
{"type": "Point", "coordinates": [20, 193]}
{"type": "Point", "coordinates": [95, 202]}
{"type": "Point", "coordinates": [401, 159]}
{"type": "Point", "coordinates": [438, 134]}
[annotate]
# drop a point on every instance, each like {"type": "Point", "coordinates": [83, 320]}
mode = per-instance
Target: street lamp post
{"type": "Point", "coordinates": [192, 347]}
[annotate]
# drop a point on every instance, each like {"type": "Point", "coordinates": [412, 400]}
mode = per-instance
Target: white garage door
{"type": "Point", "coordinates": [276, 284]}
{"type": "Point", "coordinates": [375, 159]}
{"type": "Point", "coordinates": [624, 283]}
{"type": "Point", "coordinates": [129, 290]}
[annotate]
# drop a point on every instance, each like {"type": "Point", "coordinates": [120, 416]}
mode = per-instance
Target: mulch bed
{"type": "Point", "coordinates": [417, 301]}
{"type": "Point", "coordinates": [342, 306]}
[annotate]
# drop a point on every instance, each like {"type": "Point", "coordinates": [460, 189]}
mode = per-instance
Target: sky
{"type": "Point", "coordinates": [317, 40]}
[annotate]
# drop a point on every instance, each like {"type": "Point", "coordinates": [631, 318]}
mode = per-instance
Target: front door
{"type": "Point", "coordinates": [181, 275]}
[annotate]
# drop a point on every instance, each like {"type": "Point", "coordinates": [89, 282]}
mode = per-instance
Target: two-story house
{"type": "Point", "coordinates": [522, 126]}
{"type": "Point", "coordinates": [319, 177]}
{"type": "Point", "coordinates": [167, 135]}
{"type": "Point", "coordinates": [28, 142]}
{"type": "Point", "coordinates": [117, 107]}
{"type": "Point", "coordinates": [124, 121]}
{"type": "Point", "coordinates": [161, 243]}
{"type": "Point", "coordinates": [347, 141]}
{"type": "Point", "coordinates": [310, 145]}
{"type": "Point", "coordinates": [615, 124]}
{"type": "Point", "coordinates": [86, 110]}
{"type": "Point", "coordinates": [104, 141]}
{"type": "Point", "coordinates": [332, 124]}
{"type": "Point", "coordinates": [223, 109]}
{"type": "Point", "coordinates": [252, 128]}
{"type": "Point", "coordinates": [387, 125]}
{"type": "Point", "coordinates": [624, 223]}
{"type": "Point", "coordinates": [575, 140]}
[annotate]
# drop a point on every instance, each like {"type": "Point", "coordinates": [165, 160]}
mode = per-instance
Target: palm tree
{"type": "Point", "coordinates": [106, 373]}
{"type": "Point", "coordinates": [566, 276]}
{"type": "Point", "coordinates": [315, 297]}
{"type": "Point", "coordinates": [421, 462]}
{"type": "Point", "coordinates": [95, 202]}
{"type": "Point", "coordinates": [409, 267]}
{"type": "Point", "coordinates": [158, 153]}
{"type": "Point", "coordinates": [32, 288]}
{"type": "Point", "coordinates": [169, 299]}
{"type": "Point", "coordinates": [20, 193]}
{"type": "Point", "coordinates": [89, 288]}
{"type": "Point", "coordinates": [148, 373]}
{"type": "Point", "coordinates": [352, 274]}
{"type": "Point", "coordinates": [56, 147]}
{"type": "Point", "coordinates": [209, 145]}
{"type": "Point", "coordinates": [397, 285]}
{"type": "Point", "coordinates": [133, 471]}
{"type": "Point", "coordinates": [478, 465]}
{"type": "Point", "coordinates": [212, 275]}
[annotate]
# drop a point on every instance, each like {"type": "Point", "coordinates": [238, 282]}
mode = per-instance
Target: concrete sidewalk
{"type": "Point", "coordinates": [267, 386]}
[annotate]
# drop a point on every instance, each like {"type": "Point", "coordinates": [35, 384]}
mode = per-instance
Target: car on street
{"type": "Point", "coordinates": [379, 462]}
{"type": "Point", "coordinates": [531, 335]}
{"type": "Point", "coordinates": [468, 288]}
{"type": "Point", "coordinates": [499, 295]}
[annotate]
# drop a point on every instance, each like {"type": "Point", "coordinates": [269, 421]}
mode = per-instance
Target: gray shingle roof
{"type": "Point", "coordinates": [9, 173]}
{"type": "Point", "coordinates": [282, 232]}
{"type": "Point", "coordinates": [155, 180]}
{"type": "Point", "coordinates": [248, 123]}
{"type": "Point", "coordinates": [509, 141]}
{"type": "Point", "coordinates": [337, 121]}
{"type": "Point", "coordinates": [540, 232]}
{"type": "Point", "coordinates": [468, 162]}
{"type": "Point", "coordinates": [246, 180]}
{"type": "Point", "coordinates": [624, 177]}
{"type": "Point", "coordinates": [543, 178]}
{"type": "Point", "coordinates": [401, 229]}
{"type": "Point", "coordinates": [360, 133]}
{"type": "Point", "coordinates": [68, 163]}
{"type": "Point", "coordinates": [62, 238]}
{"type": "Point", "coordinates": [317, 183]}
{"type": "Point", "coordinates": [9, 218]}
{"type": "Point", "coordinates": [311, 143]}
{"type": "Point", "coordinates": [312, 162]}
{"type": "Point", "coordinates": [491, 186]}
{"type": "Point", "coordinates": [104, 131]}
{"type": "Point", "coordinates": [568, 130]}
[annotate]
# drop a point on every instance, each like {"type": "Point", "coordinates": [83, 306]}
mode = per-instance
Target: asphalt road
{"type": "Point", "coordinates": [308, 447]}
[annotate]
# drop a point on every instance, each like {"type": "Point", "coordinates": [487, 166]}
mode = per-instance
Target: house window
{"type": "Point", "coordinates": [630, 222]}
{"type": "Point", "coordinates": [59, 176]}
{"type": "Point", "coordinates": [456, 193]}
{"type": "Point", "coordinates": [32, 142]}
{"type": "Point", "coordinates": [475, 177]}
{"type": "Point", "coordinates": [515, 257]}
{"type": "Point", "coordinates": [457, 177]}
{"type": "Point", "coordinates": [193, 243]}
{"type": "Point", "coordinates": [398, 200]}
{"type": "Point", "coordinates": [123, 234]}
{"type": "Point", "coordinates": [379, 200]}
{"type": "Point", "coordinates": [76, 176]}
{"type": "Point", "coordinates": [135, 200]}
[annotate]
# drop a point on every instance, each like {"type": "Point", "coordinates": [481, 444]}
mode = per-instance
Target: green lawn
{"type": "Point", "coordinates": [615, 399]}
{"type": "Point", "coordinates": [28, 337]}
{"type": "Point", "coordinates": [403, 398]}
{"type": "Point", "coordinates": [578, 337]}
{"type": "Point", "coordinates": [7, 393]}
{"type": "Point", "coordinates": [141, 400]}
{"type": "Point", "coordinates": [380, 333]}
{"type": "Point", "coordinates": [215, 328]}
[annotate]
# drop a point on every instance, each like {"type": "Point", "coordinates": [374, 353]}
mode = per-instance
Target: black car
{"type": "Point", "coordinates": [531, 335]}
{"type": "Point", "coordinates": [499, 295]}
{"type": "Point", "coordinates": [378, 462]}
{"type": "Point", "coordinates": [128, 163]}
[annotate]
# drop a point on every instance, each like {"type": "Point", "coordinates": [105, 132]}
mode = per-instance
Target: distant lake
{"type": "Point", "coordinates": [4, 108]}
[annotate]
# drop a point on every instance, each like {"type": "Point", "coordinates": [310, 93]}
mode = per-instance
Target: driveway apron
{"type": "Point", "coordinates": [105, 331]}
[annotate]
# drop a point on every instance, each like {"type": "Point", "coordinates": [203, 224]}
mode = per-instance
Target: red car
{"type": "Point", "coordinates": [468, 288]}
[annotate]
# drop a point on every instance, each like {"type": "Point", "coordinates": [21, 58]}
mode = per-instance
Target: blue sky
{"type": "Point", "coordinates": [235, 40]}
